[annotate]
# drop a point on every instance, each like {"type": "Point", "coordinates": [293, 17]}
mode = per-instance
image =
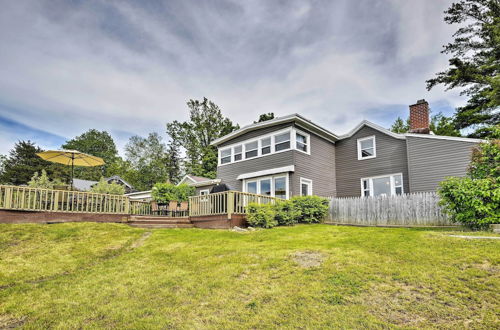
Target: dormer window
{"type": "Point", "coordinates": [225, 156]}
{"type": "Point", "coordinates": [282, 141]}
{"type": "Point", "coordinates": [367, 148]}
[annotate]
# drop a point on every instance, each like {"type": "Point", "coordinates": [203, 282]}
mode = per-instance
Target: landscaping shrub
{"type": "Point", "coordinates": [166, 192]}
{"type": "Point", "coordinates": [285, 213]}
{"type": "Point", "coordinates": [261, 215]}
{"type": "Point", "coordinates": [103, 187]}
{"type": "Point", "coordinates": [474, 203]}
{"type": "Point", "coordinates": [44, 182]}
{"type": "Point", "coordinates": [310, 209]}
{"type": "Point", "coordinates": [475, 200]}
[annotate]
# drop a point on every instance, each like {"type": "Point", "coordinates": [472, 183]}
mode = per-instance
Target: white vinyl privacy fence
{"type": "Point", "coordinates": [419, 209]}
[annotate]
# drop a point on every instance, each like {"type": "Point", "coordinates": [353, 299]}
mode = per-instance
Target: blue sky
{"type": "Point", "coordinates": [129, 67]}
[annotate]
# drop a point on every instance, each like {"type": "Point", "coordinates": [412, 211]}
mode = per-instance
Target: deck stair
{"type": "Point", "coordinates": [156, 221]}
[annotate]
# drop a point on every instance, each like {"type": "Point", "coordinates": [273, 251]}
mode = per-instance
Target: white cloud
{"type": "Point", "coordinates": [128, 67]}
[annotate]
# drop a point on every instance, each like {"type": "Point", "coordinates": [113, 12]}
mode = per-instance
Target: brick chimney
{"type": "Point", "coordinates": [419, 117]}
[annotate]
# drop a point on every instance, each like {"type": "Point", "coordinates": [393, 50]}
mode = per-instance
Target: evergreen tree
{"type": "Point", "coordinates": [400, 126]}
{"type": "Point", "coordinates": [474, 64]}
{"type": "Point", "coordinates": [265, 117]}
{"type": "Point", "coordinates": [22, 163]}
{"type": "Point", "coordinates": [439, 125]}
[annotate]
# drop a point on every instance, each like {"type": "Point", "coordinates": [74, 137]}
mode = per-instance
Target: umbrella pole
{"type": "Point", "coordinates": [72, 169]}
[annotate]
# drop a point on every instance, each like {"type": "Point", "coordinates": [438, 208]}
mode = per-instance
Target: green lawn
{"type": "Point", "coordinates": [115, 276]}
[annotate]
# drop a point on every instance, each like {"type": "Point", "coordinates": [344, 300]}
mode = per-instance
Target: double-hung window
{"type": "Point", "coordinates": [305, 187]}
{"type": "Point", "coordinates": [367, 148]}
{"type": "Point", "coordinates": [282, 141]}
{"type": "Point", "coordinates": [388, 185]}
{"type": "Point", "coordinates": [301, 142]}
{"type": "Point", "coordinates": [238, 153]}
{"type": "Point", "coordinates": [265, 147]}
{"type": "Point", "coordinates": [225, 156]}
{"type": "Point", "coordinates": [251, 149]}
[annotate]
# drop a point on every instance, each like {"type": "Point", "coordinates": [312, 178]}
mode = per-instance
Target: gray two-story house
{"type": "Point", "coordinates": [292, 155]}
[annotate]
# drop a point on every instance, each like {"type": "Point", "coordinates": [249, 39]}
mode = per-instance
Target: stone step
{"type": "Point", "coordinates": [160, 221]}
{"type": "Point", "coordinates": [162, 225]}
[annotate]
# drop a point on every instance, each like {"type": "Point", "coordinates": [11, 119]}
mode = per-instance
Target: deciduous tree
{"type": "Point", "coordinates": [206, 123]}
{"type": "Point", "coordinates": [95, 143]}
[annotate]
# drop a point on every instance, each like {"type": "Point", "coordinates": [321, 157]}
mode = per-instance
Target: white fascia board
{"type": "Point", "coordinates": [277, 170]}
{"type": "Point", "coordinates": [375, 127]}
{"type": "Point", "coordinates": [186, 177]}
{"type": "Point", "coordinates": [442, 137]}
{"type": "Point", "coordinates": [205, 183]}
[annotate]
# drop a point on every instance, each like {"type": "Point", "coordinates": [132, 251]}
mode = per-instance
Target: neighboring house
{"type": "Point", "coordinates": [86, 185]}
{"type": "Point", "coordinates": [202, 185]}
{"type": "Point", "coordinates": [144, 196]}
{"type": "Point", "coordinates": [291, 155]}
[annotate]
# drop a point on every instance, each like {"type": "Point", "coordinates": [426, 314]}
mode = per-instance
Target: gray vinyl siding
{"type": "Point", "coordinates": [229, 172]}
{"type": "Point", "coordinates": [319, 167]}
{"type": "Point", "coordinates": [198, 189]}
{"type": "Point", "coordinates": [255, 134]}
{"type": "Point", "coordinates": [391, 158]}
{"type": "Point", "coordinates": [432, 160]}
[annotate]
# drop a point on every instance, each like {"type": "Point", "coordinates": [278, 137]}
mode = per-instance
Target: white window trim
{"type": "Point", "coordinates": [309, 186]}
{"type": "Point", "coordinates": [393, 186]}
{"type": "Point", "coordinates": [308, 144]}
{"type": "Point", "coordinates": [206, 191]}
{"type": "Point", "coordinates": [272, 178]}
{"type": "Point", "coordinates": [374, 147]}
{"type": "Point", "coordinates": [293, 147]}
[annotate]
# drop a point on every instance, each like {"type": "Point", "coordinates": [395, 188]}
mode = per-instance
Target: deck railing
{"type": "Point", "coordinates": [49, 200]}
{"type": "Point", "coordinates": [227, 202]}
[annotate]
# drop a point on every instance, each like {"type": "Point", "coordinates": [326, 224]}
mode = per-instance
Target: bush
{"type": "Point", "coordinates": [166, 192]}
{"type": "Point", "coordinates": [103, 187]}
{"type": "Point", "coordinates": [44, 182]}
{"type": "Point", "coordinates": [310, 209]}
{"type": "Point", "coordinates": [261, 215]}
{"type": "Point", "coordinates": [472, 202]}
{"type": "Point", "coordinates": [285, 213]}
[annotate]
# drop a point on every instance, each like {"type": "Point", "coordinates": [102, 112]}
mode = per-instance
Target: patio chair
{"type": "Point", "coordinates": [184, 208]}
{"type": "Point", "coordinates": [172, 207]}
{"type": "Point", "coordinates": [155, 210]}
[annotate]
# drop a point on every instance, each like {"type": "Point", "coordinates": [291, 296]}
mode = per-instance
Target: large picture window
{"type": "Point", "coordinates": [388, 185]}
{"type": "Point", "coordinates": [275, 186]}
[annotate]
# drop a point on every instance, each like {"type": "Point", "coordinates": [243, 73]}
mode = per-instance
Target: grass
{"type": "Point", "coordinates": [114, 276]}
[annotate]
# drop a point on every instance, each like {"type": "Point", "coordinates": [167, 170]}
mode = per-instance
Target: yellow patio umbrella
{"type": "Point", "coordinates": [71, 157]}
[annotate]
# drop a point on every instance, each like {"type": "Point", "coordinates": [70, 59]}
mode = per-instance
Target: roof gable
{"type": "Point", "coordinates": [375, 127]}
{"type": "Point", "coordinates": [293, 118]}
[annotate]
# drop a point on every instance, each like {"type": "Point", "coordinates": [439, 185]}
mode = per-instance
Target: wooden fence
{"type": "Point", "coordinates": [419, 209]}
{"type": "Point", "coordinates": [49, 200]}
{"type": "Point", "coordinates": [227, 202]}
